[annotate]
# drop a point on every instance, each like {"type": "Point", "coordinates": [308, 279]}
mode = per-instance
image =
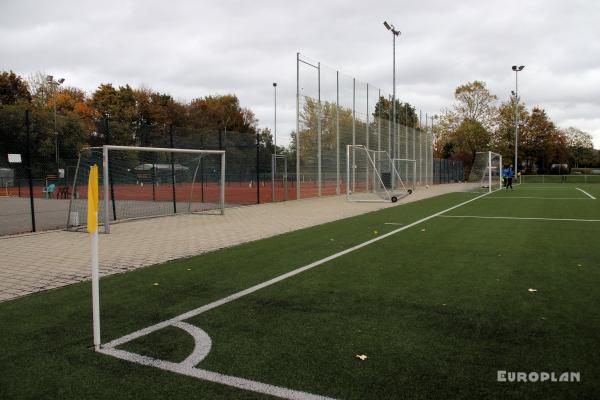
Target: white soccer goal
{"type": "Point", "coordinates": [408, 170]}
{"type": "Point", "coordinates": [486, 171]}
{"type": "Point", "coordinates": [372, 176]}
{"type": "Point", "coordinates": [279, 178]}
{"type": "Point", "coordinates": [147, 182]}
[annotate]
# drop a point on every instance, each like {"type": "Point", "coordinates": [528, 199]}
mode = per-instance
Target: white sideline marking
{"type": "Point", "coordinates": [539, 198]}
{"type": "Point", "coordinates": [393, 223]}
{"type": "Point", "coordinates": [525, 218]}
{"type": "Point", "coordinates": [203, 343]}
{"type": "Point", "coordinates": [589, 195]}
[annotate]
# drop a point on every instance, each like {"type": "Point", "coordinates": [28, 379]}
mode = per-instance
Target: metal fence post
{"type": "Point", "coordinates": [173, 170]}
{"type": "Point", "coordinates": [29, 178]}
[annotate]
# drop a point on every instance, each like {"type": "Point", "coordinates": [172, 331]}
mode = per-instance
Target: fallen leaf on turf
{"type": "Point", "coordinates": [189, 269]}
{"type": "Point", "coordinates": [532, 290]}
{"type": "Point", "coordinates": [155, 284]}
{"type": "Point", "coordinates": [332, 240]}
{"type": "Point", "coordinates": [422, 230]}
{"type": "Point", "coordinates": [361, 357]}
{"type": "Point", "coordinates": [579, 265]}
{"type": "Point", "coordinates": [376, 232]}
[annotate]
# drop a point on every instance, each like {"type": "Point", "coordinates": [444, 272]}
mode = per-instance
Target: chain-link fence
{"type": "Point", "coordinates": [334, 111]}
{"type": "Point", "coordinates": [36, 193]}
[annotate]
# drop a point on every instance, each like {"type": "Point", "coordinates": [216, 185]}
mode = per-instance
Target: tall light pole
{"type": "Point", "coordinates": [517, 69]}
{"type": "Point", "coordinates": [275, 116]}
{"type": "Point", "coordinates": [55, 84]}
{"type": "Point", "coordinates": [395, 33]}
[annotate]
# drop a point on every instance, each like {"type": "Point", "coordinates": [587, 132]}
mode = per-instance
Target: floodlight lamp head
{"type": "Point", "coordinates": [61, 80]}
{"type": "Point", "coordinates": [521, 67]}
{"type": "Point", "coordinates": [387, 26]}
{"type": "Point", "coordinates": [274, 84]}
{"type": "Point", "coordinates": [514, 67]}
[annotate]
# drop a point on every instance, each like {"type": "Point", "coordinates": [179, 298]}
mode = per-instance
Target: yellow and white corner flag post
{"type": "Point", "coordinates": [92, 227]}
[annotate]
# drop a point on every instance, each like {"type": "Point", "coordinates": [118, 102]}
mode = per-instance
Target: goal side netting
{"type": "Point", "coordinates": [486, 172]}
{"type": "Point", "coordinates": [143, 182]}
{"type": "Point", "coordinates": [372, 176]}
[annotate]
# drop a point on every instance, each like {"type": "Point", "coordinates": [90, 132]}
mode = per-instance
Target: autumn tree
{"type": "Point", "coordinates": [541, 143]}
{"type": "Point", "coordinates": [503, 136]}
{"type": "Point", "coordinates": [466, 127]}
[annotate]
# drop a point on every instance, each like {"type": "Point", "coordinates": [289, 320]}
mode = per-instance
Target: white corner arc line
{"type": "Point", "coordinates": [227, 380]}
{"type": "Point", "coordinates": [521, 218]}
{"type": "Point", "coordinates": [589, 195]}
{"type": "Point", "coordinates": [202, 343]}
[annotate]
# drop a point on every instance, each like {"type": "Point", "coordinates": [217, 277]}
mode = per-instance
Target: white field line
{"type": "Point", "coordinates": [538, 198]}
{"type": "Point", "coordinates": [545, 188]}
{"type": "Point", "coordinates": [203, 343]}
{"type": "Point", "coordinates": [233, 381]}
{"type": "Point", "coordinates": [521, 218]}
{"type": "Point", "coordinates": [589, 195]}
{"type": "Point", "coordinates": [393, 223]}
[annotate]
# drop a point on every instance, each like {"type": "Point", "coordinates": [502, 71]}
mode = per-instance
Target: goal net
{"type": "Point", "coordinates": [486, 172]}
{"type": "Point", "coordinates": [142, 182]}
{"type": "Point", "coordinates": [408, 170]}
{"type": "Point", "coordinates": [372, 176]}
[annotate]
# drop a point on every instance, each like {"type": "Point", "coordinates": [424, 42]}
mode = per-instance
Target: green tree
{"type": "Point", "coordinates": [405, 113]}
{"type": "Point", "coordinates": [580, 147]}
{"type": "Point", "coordinates": [13, 89]}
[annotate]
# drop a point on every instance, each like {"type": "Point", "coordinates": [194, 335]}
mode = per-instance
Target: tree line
{"type": "Point", "coordinates": [137, 117]}
{"type": "Point", "coordinates": [476, 122]}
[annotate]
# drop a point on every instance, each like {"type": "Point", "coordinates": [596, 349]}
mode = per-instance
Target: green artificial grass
{"type": "Point", "coordinates": [438, 308]}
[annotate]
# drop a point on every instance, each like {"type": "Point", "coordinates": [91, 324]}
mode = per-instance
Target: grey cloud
{"type": "Point", "coordinates": [191, 49]}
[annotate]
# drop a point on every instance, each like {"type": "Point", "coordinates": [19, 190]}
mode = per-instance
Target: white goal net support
{"type": "Point", "coordinates": [486, 172]}
{"type": "Point", "coordinates": [143, 182]}
{"type": "Point", "coordinates": [371, 175]}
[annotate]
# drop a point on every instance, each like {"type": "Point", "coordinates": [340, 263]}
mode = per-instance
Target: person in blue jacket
{"type": "Point", "coordinates": [510, 173]}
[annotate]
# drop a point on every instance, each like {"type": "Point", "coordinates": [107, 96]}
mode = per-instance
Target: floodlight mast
{"type": "Point", "coordinates": [55, 84]}
{"type": "Point", "coordinates": [275, 117]}
{"type": "Point", "coordinates": [515, 93]}
{"type": "Point", "coordinates": [395, 33]}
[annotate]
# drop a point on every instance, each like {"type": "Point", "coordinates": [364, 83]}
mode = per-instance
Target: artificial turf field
{"type": "Point", "coordinates": [438, 308]}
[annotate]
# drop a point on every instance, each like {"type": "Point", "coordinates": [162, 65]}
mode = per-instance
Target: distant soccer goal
{"type": "Point", "coordinates": [144, 182]}
{"type": "Point", "coordinates": [486, 171]}
{"type": "Point", "coordinates": [372, 176]}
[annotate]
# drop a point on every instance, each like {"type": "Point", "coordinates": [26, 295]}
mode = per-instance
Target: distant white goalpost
{"type": "Point", "coordinates": [144, 182]}
{"type": "Point", "coordinates": [372, 176]}
{"type": "Point", "coordinates": [487, 171]}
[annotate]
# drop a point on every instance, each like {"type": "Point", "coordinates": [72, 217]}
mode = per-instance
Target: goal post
{"type": "Point", "coordinates": [141, 182]}
{"type": "Point", "coordinates": [372, 176]}
{"type": "Point", "coordinates": [408, 169]}
{"type": "Point", "coordinates": [486, 171]}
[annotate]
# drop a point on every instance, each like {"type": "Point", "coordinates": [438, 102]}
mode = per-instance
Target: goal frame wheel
{"type": "Point", "coordinates": [394, 199]}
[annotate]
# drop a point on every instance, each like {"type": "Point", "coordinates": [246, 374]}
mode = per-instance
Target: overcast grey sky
{"type": "Point", "coordinates": [194, 48]}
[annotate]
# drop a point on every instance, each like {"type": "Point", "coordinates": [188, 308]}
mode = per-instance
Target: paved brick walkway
{"type": "Point", "coordinates": [36, 262]}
